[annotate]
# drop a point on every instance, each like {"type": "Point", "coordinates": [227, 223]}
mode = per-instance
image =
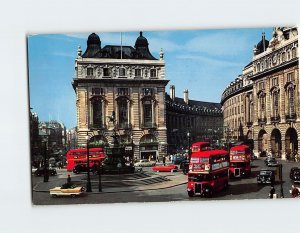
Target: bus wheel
{"type": "Point", "coordinates": [190, 193]}
{"type": "Point", "coordinates": [53, 195]}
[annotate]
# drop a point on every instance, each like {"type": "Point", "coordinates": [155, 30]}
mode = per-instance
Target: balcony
{"type": "Point", "coordinates": [249, 123]}
{"type": "Point", "coordinates": [124, 125]}
{"type": "Point", "coordinates": [97, 126]}
{"type": "Point", "coordinates": [275, 119]}
{"type": "Point", "coordinates": [262, 121]}
{"type": "Point", "coordinates": [149, 125]}
{"type": "Point", "coordinates": [291, 117]}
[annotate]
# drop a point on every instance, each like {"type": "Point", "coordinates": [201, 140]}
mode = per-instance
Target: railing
{"type": "Point", "coordinates": [149, 125]}
{"type": "Point", "coordinates": [124, 125]}
{"type": "Point", "coordinates": [97, 126]}
{"type": "Point", "coordinates": [262, 120]}
{"type": "Point", "coordinates": [275, 119]}
{"type": "Point", "coordinates": [291, 117]}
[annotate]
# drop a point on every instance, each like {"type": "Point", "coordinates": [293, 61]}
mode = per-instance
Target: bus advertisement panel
{"type": "Point", "coordinates": [79, 156]}
{"type": "Point", "coordinates": [208, 172]}
{"type": "Point", "coordinates": [240, 161]}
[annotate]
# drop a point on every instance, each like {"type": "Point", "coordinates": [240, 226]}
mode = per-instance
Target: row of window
{"type": "Point", "coordinates": [122, 91]}
{"type": "Point", "coordinates": [290, 77]}
{"type": "Point", "coordinates": [122, 115]}
{"type": "Point", "coordinates": [290, 96]}
{"type": "Point", "coordinates": [276, 59]}
{"type": "Point", "coordinates": [107, 72]}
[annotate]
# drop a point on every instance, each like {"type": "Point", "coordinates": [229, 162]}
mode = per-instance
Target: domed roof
{"type": "Point", "coordinates": [262, 45]}
{"type": "Point", "coordinates": [93, 46]}
{"type": "Point", "coordinates": [93, 39]}
{"type": "Point", "coordinates": [141, 41]}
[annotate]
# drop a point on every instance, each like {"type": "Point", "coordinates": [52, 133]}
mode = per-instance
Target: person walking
{"type": "Point", "coordinates": [69, 179]}
{"type": "Point", "coordinates": [164, 160]}
{"type": "Point", "coordinates": [294, 192]}
{"type": "Point", "coordinates": [272, 192]}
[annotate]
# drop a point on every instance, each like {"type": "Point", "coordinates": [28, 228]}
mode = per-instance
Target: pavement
{"type": "Point", "coordinates": [138, 181]}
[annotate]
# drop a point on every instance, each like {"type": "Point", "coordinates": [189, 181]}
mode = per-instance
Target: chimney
{"type": "Point", "coordinates": [172, 92]}
{"type": "Point", "coordinates": [186, 96]}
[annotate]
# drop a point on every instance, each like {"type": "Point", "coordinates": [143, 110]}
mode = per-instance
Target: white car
{"type": "Point", "coordinates": [145, 163]}
{"type": "Point", "coordinates": [73, 191]}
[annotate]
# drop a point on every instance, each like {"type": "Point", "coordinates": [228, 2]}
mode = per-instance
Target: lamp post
{"type": "Point", "coordinates": [280, 177]}
{"type": "Point", "coordinates": [132, 151]}
{"type": "Point", "coordinates": [99, 177]}
{"type": "Point", "coordinates": [88, 184]}
{"type": "Point", "coordinates": [46, 170]}
{"type": "Point", "coordinates": [189, 144]}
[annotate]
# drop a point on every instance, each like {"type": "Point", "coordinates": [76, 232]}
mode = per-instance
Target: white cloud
{"type": "Point", "coordinates": [218, 44]}
{"type": "Point", "coordinates": [211, 61]}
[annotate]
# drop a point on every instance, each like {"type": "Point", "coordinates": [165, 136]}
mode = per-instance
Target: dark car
{"type": "Point", "coordinates": [272, 162]}
{"type": "Point", "coordinates": [266, 176]}
{"type": "Point", "coordinates": [41, 171]}
{"type": "Point", "coordinates": [295, 174]}
{"type": "Point", "coordinates": [79, 168]}
{"type": "Point", "coordinates": [178, 159]}
{"type": "Point", "coordinates": [184, 165]}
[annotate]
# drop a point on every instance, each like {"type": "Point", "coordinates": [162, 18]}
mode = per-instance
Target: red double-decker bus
{"type": "Point", "coordinates": [208, 172]}
{"type": "Point", "coordinates": [240, 161]}
{"type": "Point", "coordinates": [200, 146]}
{"type": "Point", "coordinates": [79, 156]}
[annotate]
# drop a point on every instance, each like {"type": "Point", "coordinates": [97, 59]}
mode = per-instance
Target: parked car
{"type": "Point", "coordinates": [184, 165]}
{"type": "Point", "coordinates": [266, 176]}
{"type": "Point", "coordinates": [272, 162]}
{"type": "Point", "coordinates": [178, 159]}
{"type": "Point", "coordinates": [145, 163]}
{"type": "Point", "coordinates": [267, 160]}
{"type": "Point", "coordinates": [72, 191]}
{"type": "Point", "coordinates": [295, 174]}
{"type": "Point", "coordinates": [41, 171]}
{"type": "Point", "coordinates": [167, 168]}
{"type": "Point", "coordinates": [79, 168]}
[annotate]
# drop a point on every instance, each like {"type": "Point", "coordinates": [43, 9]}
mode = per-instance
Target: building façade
{"type": "Point", "coordinates": [202, 120]}
{"type": "Point", "coordinates": [262, 104]}
{"type": "Point", "coordinates": [120, 90]}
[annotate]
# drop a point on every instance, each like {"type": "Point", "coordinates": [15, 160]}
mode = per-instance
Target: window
{"type": "Point", "coordinates": [123, 91]}
{"type": "Point", "coordinates": [97, 91]}
{"type": "Point", "coordinates": [147, 107]}
{"type": "Point", "coordinates": [275, 104]}
{"type": "Point", "coordinates": [283, 57]}
{"type": "Point", "coordinates": [290, 77]}
{"type": "Point", "coordinates": [122, 72]}
{"type": "Point", "coordinates": [274, 82]}
{"type": "Point", "coordinates": [89, 71]}
{"type": "Point", "coordinates": [97, 113]}
{"type": "Point", "coordinates": [123, 112]}
{"type": "Point", "coordinates": [153, 73]}
{"type": "Point", "coordinates": [262, 106]}
{"type": "Point", "coordinates": [106, 72]}
{"type": "Point", "coordinates": [294, 52]}
{"type": "Point", "coordinates": [138, 72]}
{"type": "Point", "coordinates": [261, 86]}
{"type": "Point", "coordinates": [148, 91]}
{"type": "Point", "coordinates": [291, 102]}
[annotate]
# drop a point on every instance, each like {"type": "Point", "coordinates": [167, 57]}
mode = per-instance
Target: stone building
{"type": "Point", "coordinates": [203, 120]}
{"type": "Point", "coordinates": [263, 102]}
{"type": "Point", "coordinates": [120, 90]}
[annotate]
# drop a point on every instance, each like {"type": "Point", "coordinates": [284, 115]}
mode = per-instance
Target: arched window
{"type": "Point", "coordinates": [148, 113]}
{"type": "Point", "coordinates": [97, 113]}
{"type": "Point", "coordinates": [291, 101]}
{"type": "Point", "coordinates": [294, 52]}
{"type": "Point", "coordinates": [275, 103]}
{"type": "Point", "coordinates": [123, 112]}
{"type": "Point", "coordinates": [283, 57]}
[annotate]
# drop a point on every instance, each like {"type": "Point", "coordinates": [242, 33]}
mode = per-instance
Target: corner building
{"type": "Point", "coordinates": [262, 104]}
{"type": "Point", "coordinates": [121, 89]}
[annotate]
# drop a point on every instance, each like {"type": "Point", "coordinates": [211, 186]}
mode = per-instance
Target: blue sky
{"type": "Point", "coordinates": [202, 61]}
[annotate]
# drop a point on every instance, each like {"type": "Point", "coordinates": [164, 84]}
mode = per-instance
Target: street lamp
{"type": "Point", "coordinates": [132, 151]}
{"type": "Point", "coordinates": [88, 184]}
{"type": "Point", "coordinates": [189, 144]}
{"type": "Point", "coordinates": [46, 170]}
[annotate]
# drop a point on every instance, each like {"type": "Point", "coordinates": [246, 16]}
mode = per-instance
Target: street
{"type": "Point", "coordinates": [149, 186]}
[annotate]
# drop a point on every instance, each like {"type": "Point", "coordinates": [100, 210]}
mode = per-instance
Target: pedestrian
{"type": "Point", "coordinates": [272, 192]}
{"type": "Point", "coordinates": [164, 160]}
{"type": "Point", "coordinates": [294, 191]}
{"type": "Point", "coordinates": [69, 179]}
